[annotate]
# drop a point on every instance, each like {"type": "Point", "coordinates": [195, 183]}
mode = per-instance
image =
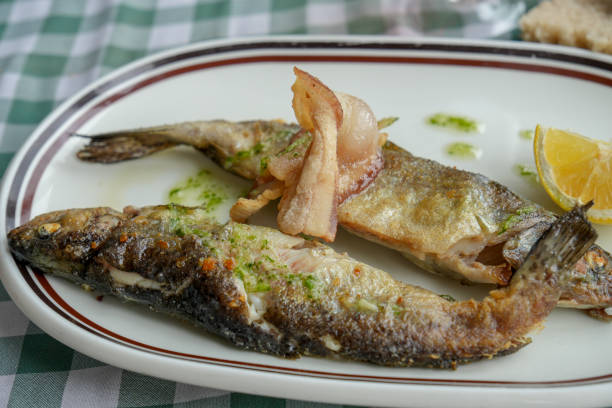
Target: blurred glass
{"type": "Point", "coordinates": [461, 18]}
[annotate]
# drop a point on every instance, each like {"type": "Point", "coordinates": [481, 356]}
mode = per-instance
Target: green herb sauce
{"type": "Point", "coordinates": [309, 282]}
{"type": "Point", "coordinates": [264, 146]}
{"type": "Point", "coordinates": [254, 267]}
{"type": "Point", "coordinates": [244, 154]}
{"type": "Point", "coordinates": [176, 222]}
{"type": "Point", "coordinates": [397, 310]}
{"type": "Point", "coordinates": [252, 276]}
{"type": "Point", "coordinates": [528, 173]}
{"type": "Point", "coordinates": [204, 190]}
{"type": "Point", "coordinates": [259, 268]}
{"type": "Point", "coordinates": [459, 123]}
{"type": "Point", "coordinates": [448, 297]}
{"type": "Point", "coordinates": [263, 164]}
{"type": "Point", "coordinates": [299, 144]}
{"type": "Point", "coordinates": [189, 221]}
{"type": "Point", "coordinates": [526, 134]}
{"type": "Point", "coordinates": [515, 218]}
{"type": "Point", "coordinates": [463, 150]}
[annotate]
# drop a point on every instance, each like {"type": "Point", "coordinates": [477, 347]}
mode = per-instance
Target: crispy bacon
{"type": "Point", "coordinates": [309, 202]}
{"type": "Point", "coordinates": [359, 142]}
{"type": "Point", "coordinates": [335, 156]}
{"type": "Point", "coordinates": [245, 207]}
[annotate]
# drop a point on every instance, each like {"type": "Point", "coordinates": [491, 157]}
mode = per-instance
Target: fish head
{"type": "Point", "coordinates": [63, 241]}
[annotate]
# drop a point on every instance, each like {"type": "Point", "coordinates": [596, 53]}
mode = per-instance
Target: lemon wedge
{"type": "Point", "coordinates": [575, 170]}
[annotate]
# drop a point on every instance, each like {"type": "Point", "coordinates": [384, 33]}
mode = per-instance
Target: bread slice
{"type": "Point", "coordinates": [579, 23]}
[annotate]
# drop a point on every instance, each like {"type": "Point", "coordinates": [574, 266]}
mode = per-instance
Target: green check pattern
{"type": "Point", "coordinates": [51, 49]}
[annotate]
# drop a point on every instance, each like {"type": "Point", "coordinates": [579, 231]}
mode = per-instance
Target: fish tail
{"type": "Point", "coordinates": [562, 246]}
{"type": "Point", "coordinates": [537, 286]}
{"type": "Point", "coordinates": [127, 145]}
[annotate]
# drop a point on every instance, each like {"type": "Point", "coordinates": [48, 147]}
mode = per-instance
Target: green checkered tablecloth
{"type": "Point", "coordinates": [51, 49]}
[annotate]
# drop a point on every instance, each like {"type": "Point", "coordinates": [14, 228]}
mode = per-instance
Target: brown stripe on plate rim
{"type": "Point", "coordinates": [32, 183]}
{"type": "Point", "coordinates": [518, 66]}
{"type": "Point", "coordinates": [403, 46]}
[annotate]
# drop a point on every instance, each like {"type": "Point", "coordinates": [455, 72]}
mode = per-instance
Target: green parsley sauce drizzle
{"type": "Point", "coordinates": [259, 269]}
{"type": "Point", "coordinates": [181, 222]}
{"type": "Point", "coordinates": [528, 173]}
{"type": "Point", "coordinates": [204, 190]}
{"type": "Point", "coordinates": [259, 151]}
{"type": "Point", "coordinates": [463, 150]}
{"type": "Point", "coordinates": [455, 122]}
{"type": "Point", "coordinates": [526, 134]}
{"type": "Point", "coordinates": [515, 218]}
{"type": "Point", "coordinates": [448, 297]}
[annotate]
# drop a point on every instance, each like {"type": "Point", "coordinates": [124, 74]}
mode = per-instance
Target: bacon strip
{"type": "Point", "coordinates": [309, 203]}
{"type": "Point", "coordinates": [245, 207]}
{"type": "Point", "coordinates": [337, 155]}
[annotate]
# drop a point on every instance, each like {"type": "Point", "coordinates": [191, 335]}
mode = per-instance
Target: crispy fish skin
{"type": "Point", "coordinates": [441, 217]}
{"type": "Point", "coordinates": [82, 232]}
{"type": "Point", "coordinates": [266, 291]}
{"type": "Point", "coordinates": [446, 220]}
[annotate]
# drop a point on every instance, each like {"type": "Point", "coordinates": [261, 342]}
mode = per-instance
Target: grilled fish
{"type": "Point", "coordinates": [446, 220]}
{"type": "Point", "coordinates": [269, 292]}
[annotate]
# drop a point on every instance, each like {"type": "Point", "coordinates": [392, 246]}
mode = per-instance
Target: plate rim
{"type": "Point", "coordinates": [15, 288]}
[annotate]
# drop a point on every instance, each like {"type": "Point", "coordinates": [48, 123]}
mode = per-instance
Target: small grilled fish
{"type": "Point", "coordinates": [446, 220]}
{"type": "Point", "coordinates": [269, 292]}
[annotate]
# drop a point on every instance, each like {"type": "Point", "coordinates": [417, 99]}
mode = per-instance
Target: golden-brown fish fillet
{"type": "Point", "coordinates": [446, 220]}
{"type": "Point", "coordinates": [274, 293]}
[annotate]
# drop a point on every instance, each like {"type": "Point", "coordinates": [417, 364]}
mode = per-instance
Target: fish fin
{"type": "Point", "coordinates": [119, 146]}
{"type": "Point", "coordinates": [565, 242]}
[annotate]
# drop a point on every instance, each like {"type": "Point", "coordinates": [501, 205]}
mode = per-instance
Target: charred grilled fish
{"type": "Point", "coordinates": [446, 220]}
{"type": "Point", "coordinates": [266, 291]}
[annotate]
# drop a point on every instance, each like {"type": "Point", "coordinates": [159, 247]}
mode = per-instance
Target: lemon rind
{"type": "Point", "coordinates": [563, 200]}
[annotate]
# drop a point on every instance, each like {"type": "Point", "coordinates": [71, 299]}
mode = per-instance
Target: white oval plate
{"type": "Point", "coordinates": [507, 86]}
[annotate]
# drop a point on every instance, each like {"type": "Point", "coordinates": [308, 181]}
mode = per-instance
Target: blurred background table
{"type": "Point", "coordinates": [51, 49]}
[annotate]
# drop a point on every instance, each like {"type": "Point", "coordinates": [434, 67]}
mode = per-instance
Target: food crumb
{"type": "Point", "coordinates": [229, 264]}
